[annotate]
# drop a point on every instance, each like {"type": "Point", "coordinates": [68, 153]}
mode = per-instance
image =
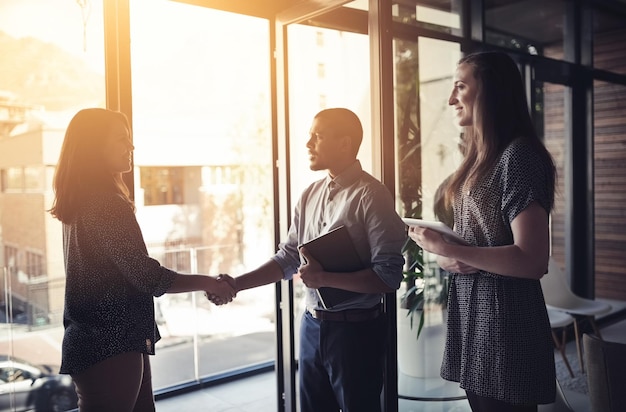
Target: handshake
{"type": "Point", "coordinates": [224, 289]}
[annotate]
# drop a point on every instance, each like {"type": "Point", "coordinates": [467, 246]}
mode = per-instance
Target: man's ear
{"type": "Point", "coordinates": [347, 144]}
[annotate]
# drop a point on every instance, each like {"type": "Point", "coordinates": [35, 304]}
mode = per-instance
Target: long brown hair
{"type": "Point", "coordinates": [80, 170]}
{"type": "Point", "coordinates": [500, 116]}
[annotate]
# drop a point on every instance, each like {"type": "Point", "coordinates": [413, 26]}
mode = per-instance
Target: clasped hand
{"type": "Point", "coordinates": [224, 290]}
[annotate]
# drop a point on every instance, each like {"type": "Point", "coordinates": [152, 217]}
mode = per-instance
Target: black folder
{"type": "Point", "coordinates": [336, 253]}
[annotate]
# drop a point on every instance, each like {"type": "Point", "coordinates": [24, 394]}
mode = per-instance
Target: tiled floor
{"type": "Point", "coordinates": [257, 393]}
{"type": "Point", "coordinates": [252, 394]}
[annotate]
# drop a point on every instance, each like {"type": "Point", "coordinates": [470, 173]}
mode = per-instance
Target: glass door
{"type": "Point", "coordinates": [428, 150]}
{"type": "Point", "coordinates": [326, 68]}
{"type": "Point", "coordinates": [203, 179]}
{"type": "Point", "coordinates": [335, 74]}
{"type": "Point", "coordinates": [52, 65]}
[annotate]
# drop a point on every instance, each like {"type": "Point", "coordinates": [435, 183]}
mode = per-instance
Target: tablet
{"type": "Point", "coordinates": [448, 234]}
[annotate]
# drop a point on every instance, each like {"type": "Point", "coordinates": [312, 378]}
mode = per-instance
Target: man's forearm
{"type": "Point", "coordinates": [269, 272]}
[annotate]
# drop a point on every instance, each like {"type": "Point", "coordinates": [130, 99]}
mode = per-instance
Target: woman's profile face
{"type": "Point", "coordinates": [463, 95]}
{"type": "Point", "coordinates": [118, 149]}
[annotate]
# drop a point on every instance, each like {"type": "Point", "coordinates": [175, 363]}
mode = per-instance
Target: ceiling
{"type": "Point", "coordinates": [269, 9]}
{"type": "Point", "coordinates": [538, 21]}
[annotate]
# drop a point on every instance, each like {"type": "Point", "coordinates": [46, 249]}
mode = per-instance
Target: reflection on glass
{"type": "Point", "coordinates": [535, 26]}
{"type": "Point", "coordinates": [442, 16]}
{"type": "Point", "coordinates": [203, 178]}
{"type": "Point", "coordinates": [358, 4]}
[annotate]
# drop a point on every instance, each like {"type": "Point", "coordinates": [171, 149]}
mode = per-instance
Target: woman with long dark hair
{"type": "Point", "coordinates": [111, 281]}
{"type": "Point", "coordinates": [498, 344]}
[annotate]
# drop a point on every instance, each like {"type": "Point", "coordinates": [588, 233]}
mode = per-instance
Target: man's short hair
{"type": "Point", "coordinates": [344, 123]}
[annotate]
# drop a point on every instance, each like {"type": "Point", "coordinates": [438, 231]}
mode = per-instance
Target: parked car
{"type": "Point", "coordinates": [39, 388]}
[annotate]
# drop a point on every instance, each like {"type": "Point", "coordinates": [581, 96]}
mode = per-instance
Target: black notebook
{"type": "Point", "coordinates": [336, 253]}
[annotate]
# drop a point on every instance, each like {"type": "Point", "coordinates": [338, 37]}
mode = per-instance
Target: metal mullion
{"type": "Point", "coordinates": [117, 64]}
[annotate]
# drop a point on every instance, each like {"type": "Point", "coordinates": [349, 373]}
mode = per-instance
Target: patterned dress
{"type": "Point", "coordinates": [498, 343]}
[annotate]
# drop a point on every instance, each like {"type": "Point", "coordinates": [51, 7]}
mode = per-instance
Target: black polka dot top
{"type": "Point", "coordinates": [110, 285]}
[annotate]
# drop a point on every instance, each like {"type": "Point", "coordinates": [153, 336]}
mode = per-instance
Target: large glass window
{"type": "Point", "coordinates": [162, 185]}
{"type": "Point", "coordinates": [203, 170]}
{"type": "Point", "coordinates": [550, 103]}
{"type": "Point", "coordinates": [344, 83]}
{"type": "Point", "coordinates": [608, 42]}
{"type": "Point", "coordinates": [427, 142]}
{"type": "Point", "coordinates": [443, 16]}
{"type": "Point", "coordinates": [52, 65]}
{"type": "Point", "coordinates": [532, 26]}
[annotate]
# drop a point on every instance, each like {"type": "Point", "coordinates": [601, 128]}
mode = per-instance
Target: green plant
{"type": "Point", "coordinates": [413, 298]}
{"type": "Point", "coordinates": [426, 285]}
{"type": "Point", "coordinates": [410, 173]}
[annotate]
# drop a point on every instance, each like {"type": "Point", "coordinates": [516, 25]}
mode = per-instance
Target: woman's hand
{"type": "Point", "coordinates": [433, 242]}
{"type": "Point", "coordinates": [455, 266]}
{"type": "Point", "coordinates": [428, 239]}
{"type": "Point", "coordinates": [222, 289]}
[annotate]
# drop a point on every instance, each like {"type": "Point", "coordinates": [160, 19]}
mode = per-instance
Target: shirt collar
{"type": "Point", "coordinates": [348, 176]}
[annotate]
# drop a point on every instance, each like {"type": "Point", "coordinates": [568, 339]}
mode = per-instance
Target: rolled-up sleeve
{"type": "Point", "coordinates": [386, 235]}
{"type": "Point", "coordinates": [288, 256]}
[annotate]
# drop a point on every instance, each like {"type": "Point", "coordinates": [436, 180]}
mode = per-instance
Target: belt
{"type": "Point", "coordinates": [348, 315]}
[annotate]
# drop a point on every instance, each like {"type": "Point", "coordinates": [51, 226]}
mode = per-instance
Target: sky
{"type": "Point", "coordinates": [59, 22]}
{"type": "Point", "coordinates": [183, 79]}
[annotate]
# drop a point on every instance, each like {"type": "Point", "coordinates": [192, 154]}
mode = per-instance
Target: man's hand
{"type": "Point", "coordinates": [312, 272]}
{"type": "Point", "coordinates": [223, 290]}
{"type": "Point", "coordinates": [225, 277]}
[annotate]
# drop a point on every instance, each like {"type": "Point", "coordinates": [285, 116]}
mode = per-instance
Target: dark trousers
{"type": "Point", "coordinates": [341, 365]}
{"type": "Point", "coordinates": [122, 383]}
{"type": "Point", "coordinates": [482, 404]}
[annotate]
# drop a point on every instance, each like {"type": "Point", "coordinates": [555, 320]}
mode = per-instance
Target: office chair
{"type": "Point", "coordinates": [560, 320]}
{"type": "Point", "coordinates": [559, 296]}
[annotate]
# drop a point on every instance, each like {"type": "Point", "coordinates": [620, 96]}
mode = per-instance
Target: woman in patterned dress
{"type": "Point", "coordinates": [109, 319]}
{"type": "Point", "coordinates": [498, 344]}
